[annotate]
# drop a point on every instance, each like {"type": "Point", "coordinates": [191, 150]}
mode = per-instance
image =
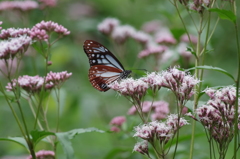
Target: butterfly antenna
{"type": "Point", "coordinates": [140, 69]}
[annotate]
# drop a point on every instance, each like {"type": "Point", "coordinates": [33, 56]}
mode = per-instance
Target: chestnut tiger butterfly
{"type": "Point", "coordinates": [105, 68]}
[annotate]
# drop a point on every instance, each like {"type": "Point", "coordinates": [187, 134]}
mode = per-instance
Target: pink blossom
{"type": "Point", "coordinates": [184, 38]}
{"type": "Point", "coordinates": [108, 25]}
{"type": "Point", "coordinates": [141, 37]}
{"type": "Point", "coordinates": [118, 120]}
{"type": "Point", "coordinates": [182, 49]}
{"type": "Point", "coordinates": [152, 26]}
{"type": "Point", "coordinates": [115, 129]}
{"type": "Point", "coordinates": [9, 48]}
{"type": "Point", "coordinates": [164, 36]}
{"type": "Point", "coordinates": [56, 79]}
{"type": "Point", "coordinates": [47, 3]}
{"type": "Point", "coordinates": [13, 33]}
{"type": "Point", "coordinates": [141, 147]}
{"type": "Point", "coordinates": [41, 30]}
{"type": "Point", "coordinates": [34, 84]}
{"type": "Point", "coordinates": [154, 80]}
{"type": "Point", "coordinates": [130, 87]}
{"type": "Point", "coordinates": [9, 66]}
{"type": "Point", "coordinates": [132, 110]}
{"type": "Point", "coordinates": [121, 33]}
{"type": "Point", "coordinates": [44, 154]}
{"type": "Point", "coordinates": [152, 51]}
{"type": "Point", "coordinates": [20, 5]}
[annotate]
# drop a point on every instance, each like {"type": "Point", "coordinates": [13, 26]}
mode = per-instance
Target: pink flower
{"type": "Point", "coordinates": [30, 84]}
{"type": "Point", "coordinates": [132, 110]}
{"type": "Point", "coordinates": [47, 3]}
{"type": "Point", "coordinates": [56, 79]}
{"type": "Point", "coordinates": [152, 50]}
{"type": "Point", "coordinates": [141, 147]}
{"type": "Point", "coordinates": [13, 33]}
{"type": "Point", "coordinates": [41, 30]}
{"type": "Point", "coordinates": [9, 48]}
{"type": "Point", "coordinates": [34, 84]}
{"type": "Point", "coordinates": [130, 87]}
{"type": "Point", "coordinates": [108, 25]}
{"type": "Point", "coordinates": [154, 80]}
{"type": "Point", "coordinates": [20, 5]}
{"type": "Point", "coordinates": [115, 129]}
{"type": "Point", "coordinates": [184, 38]}
{"type": "Point", "coordinates": [121, 33]}
{"type": "Point", "coordinates": [182, 49]}
{"type": "Point", "coordinates": [152, 26]}
{"type": "Point", "coordinates": [164, 36]}
{"type": "Point", "coordinates": [141, 37]}
{"type": "Point", "coordinates": [118, 120]}
{"type": "Point", "coordinates": [44, 154]}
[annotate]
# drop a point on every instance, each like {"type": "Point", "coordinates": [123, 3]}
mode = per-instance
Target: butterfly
{"type": "Point", "coordinates": [104, 66]}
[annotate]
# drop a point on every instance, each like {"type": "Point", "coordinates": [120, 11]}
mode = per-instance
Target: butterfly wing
{"type": "Point", "coordinates": [104, 66]}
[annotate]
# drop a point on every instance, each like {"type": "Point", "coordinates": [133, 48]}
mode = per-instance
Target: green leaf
{"type": "Point", "coordinates": [39, 135]}
{"type": "Point", "coordinates": [65, 137]}
{"type": "Point", "coordinates": [19, 140]}
{"type": "Point", "coordinates": [224, 14]}
{"type": "Point", "coordinates": [191, 50]}
{"type": "Point", "coordinates": [214, 69]}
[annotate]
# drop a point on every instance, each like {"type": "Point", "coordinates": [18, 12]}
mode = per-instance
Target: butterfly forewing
{"type": "Point", "coordinates": [104, 66]}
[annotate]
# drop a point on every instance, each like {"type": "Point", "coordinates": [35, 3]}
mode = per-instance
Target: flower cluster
{"type": "Point", "coordinates": [199, 5]}
{"type": "Point", "coordinates": [44, 154]}
{"type": "Point", "coordinates": [130, 87]}
{"type": "Point", "coordinates": [158, 50]}
{"type": "Point", "coordinates": [34, 84]}
{"type": "Point", "coordinates": [162, 131]}
{"type": "Point", "coordinates": [18, 5]}
{"type": "Point", "coordinates": [160, 109]}
{"type": "Point", "coordinates": [13, 33]}
{"type": "Point", "coordinates": [217, 115]}
{"type": "Point", "coordinates": [117, 122]}
{"type": "Point", "coordinates": [42, 30]}
{"type": "Point", "coordinates": [47, 3]}
{"type": "Point", "coordinates": [141, 147]}
{"type": "Point", "coordinates": [179, 82]}
{"type": "Point", "coordinates": [9, 48]}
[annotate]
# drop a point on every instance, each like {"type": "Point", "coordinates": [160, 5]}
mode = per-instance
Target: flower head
{"type": "Point", "coordinates": [44, 154]}
{"type": "Point", "coordinates": [9, 48]}
{"type": "Point", "coordinates": [41, 30]}
{"type": "Point", "coordinates": [164, 36]}
{"type": "Point", "coordinates": [157, 50]}
{"type": "Point", "coordinates": [108, 25]}
{"type": "Point", "coordinates": [18, 5]}
{"type": "Point", "coordinates": [130, 87]}
{"type": "Point", "coordinates": [13, 33]}
{"type": "Point", "coordinates": [56, 79]}
{"type": "Point", "coordinates": [118, 120]}
{"type": "Point", "coordinates": [141, 147]}
{"type": "Point", "coordinates": [47, 3]}
{"type": "Point", "coordinates": [121, 33]}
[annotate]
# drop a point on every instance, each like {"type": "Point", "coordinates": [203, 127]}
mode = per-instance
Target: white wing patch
{"type": "Point", "coordinates": [114, 62]}
{"type": "Point", "coordinates": [109, 74]}
{"type": "Point", "coordinates": [99, 49]}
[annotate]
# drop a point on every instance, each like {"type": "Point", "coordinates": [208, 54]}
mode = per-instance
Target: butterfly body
{"type": "Point", "coordinates": [104, 66]}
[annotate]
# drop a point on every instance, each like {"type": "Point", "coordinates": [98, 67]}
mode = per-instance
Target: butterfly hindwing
{"type": "Point", "coordinates": [104, 66]}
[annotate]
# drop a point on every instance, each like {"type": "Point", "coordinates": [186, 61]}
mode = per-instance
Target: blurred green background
{"type": "Point", "coordinates": [82, 106]}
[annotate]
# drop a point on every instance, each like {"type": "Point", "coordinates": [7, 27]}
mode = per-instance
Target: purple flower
{"type": "Point", "coordinates": [184, 38]}
{"type": "Point", "coordinates": [9, 48]}
{"type": "Point", "coordinates": [141, 147]}
{"type": "Point", "coordinates": [108, 25]}
{"type": "Point", "coordinates": [152, 26]}
{"type": "Point", "coordinates": [130, 87]}
{"type": "Point", "coordinates": [121, 33]}
{"type": "Point", "coordinates": [56, 79]}
{"type": "Point", "coordinates": [217, 115]}
{"type": "Point", "coordinates": [13, 33]}
{"type": "Point", "coordinates": [141, 37]}
{"type": "Point", "coordinates": [164, 36]}
{"type": "Point", "coordinates": [157, 50]}
{"type": "Point", "coordinates": [34, 84]}
{"type": "Point", "coordinates": [44, 154]}
{"type": "Point", "coordinates": [47, 3]}
{"type": "Point", "coordinates": [144, 132]}
{"type": "Point", "coordinates": [19, 5]}
{"type": "Point", "coordinates": [42, 30]}
{"type": "Point", "coordinates": [30, 84]}
{"type": "Point", "coordinates": [118, 120]}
